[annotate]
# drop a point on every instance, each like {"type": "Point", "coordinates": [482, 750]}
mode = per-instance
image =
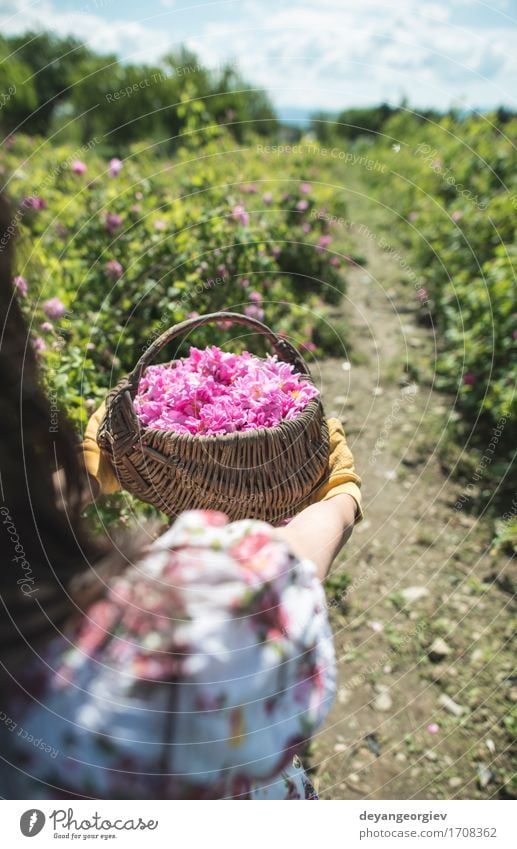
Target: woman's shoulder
{"type": "Point", "coordinates": [225, 618]}
{"type": "Point", "coordinates": [207, 578]}
{"type": "Point", "coordinates": [204, 579]}
{"type": "Point", "coordinates": [205, 544]}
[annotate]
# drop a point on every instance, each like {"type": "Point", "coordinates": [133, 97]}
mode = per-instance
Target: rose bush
{"type": "Point", "coordinates": [117, 249]}
{"type": "Point", "coordinates": [452, 187]}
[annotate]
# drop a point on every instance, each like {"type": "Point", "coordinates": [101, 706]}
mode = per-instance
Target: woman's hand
{"type": "Point", "coordinates": [101, 474]}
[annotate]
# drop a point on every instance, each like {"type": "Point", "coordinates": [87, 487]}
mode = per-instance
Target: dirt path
{"type": "Point", "coordinates": [420, 574]}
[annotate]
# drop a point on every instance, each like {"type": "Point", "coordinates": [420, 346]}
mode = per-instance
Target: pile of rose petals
{"type": "Point", "coordinates": [212, 392]}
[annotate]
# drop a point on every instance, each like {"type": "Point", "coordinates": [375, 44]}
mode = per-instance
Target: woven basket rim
{"type": "Point", "coordinates": [311, 408]}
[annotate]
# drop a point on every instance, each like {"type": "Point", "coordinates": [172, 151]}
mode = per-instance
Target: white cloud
{"type": "Point", "coordinates": [129, 39]}
{"type": "Point", "coordinates": [324, 54]}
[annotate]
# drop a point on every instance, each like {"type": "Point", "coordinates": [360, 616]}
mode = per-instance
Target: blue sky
{"type": "Point", "coordinates": [311, 54]}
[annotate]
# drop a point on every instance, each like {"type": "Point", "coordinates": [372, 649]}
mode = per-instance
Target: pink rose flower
{"type": "Point", "coordinates": [114, 269]}
{"type": "Point", "coordinates": [20, 283]}
{"type": "Point", "coordinates": [308, 346]}
{"type": "Point", "coordinates": [78, 167]}
{"type": "Point", "coordinates": [254, 312]}
{"type": "Point", "coordinates": [54, 308]}
{"type": "Point", "coordinates": [240, 215]}
{"type": "Point", "coordinates": [34, 202]}
{"type": "Point", "coordinates": [115, 167]}
{"type": "Point", "coordinates": [212, 392]}
{"type": "Point", "coordinates": [113, 222]}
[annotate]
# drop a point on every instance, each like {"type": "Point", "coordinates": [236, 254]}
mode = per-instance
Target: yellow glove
{"type": "Point", "coordinates": [342, 477]}
{"type": "Point", "coordinates": [96, 463]}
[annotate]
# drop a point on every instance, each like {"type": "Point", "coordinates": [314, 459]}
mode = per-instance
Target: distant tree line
{"type": "Point", "coordinates": [48, 83]}
{"type": "Point", "coordinates": [52, 85]}
{"type": "Point", "coordinates": [361, 122]}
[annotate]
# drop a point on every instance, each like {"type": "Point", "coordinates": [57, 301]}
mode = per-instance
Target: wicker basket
{"type": "Point", "coordinates": [269, 473]}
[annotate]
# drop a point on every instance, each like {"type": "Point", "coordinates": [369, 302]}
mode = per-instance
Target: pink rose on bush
{"type": "Point", "coordinates": [39, 344]}
{"type": "Point", "coordinates": [115, 167]}
{"type": "Point", "coordinates": [78, 167]}
{"type": "Point", "coordinates": [34, 202]}
{"type": "Point", "coordinates": [240, 215]}
{"type": "Point", "coordinates": [114, 269]}
{"type": "Point", "coordinates": [20, 283]}
{"type": "Point", "coordinates": [54, 308]}
{"type": "Point", "coordinates": [254, 312]}
{"type": "Point", "coordinates": [308, 346]}
{"type": "Point", "coordinates": [113, 222]}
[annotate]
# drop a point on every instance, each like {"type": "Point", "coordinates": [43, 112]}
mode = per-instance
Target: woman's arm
{"type": "Point", "coordinates": [320, 531]}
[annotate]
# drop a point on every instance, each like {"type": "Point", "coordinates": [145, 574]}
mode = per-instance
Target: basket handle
{"type": "Point", "coordinates": [284, 350]}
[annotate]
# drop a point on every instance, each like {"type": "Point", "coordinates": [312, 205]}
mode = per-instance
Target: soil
{"type": "Point", "coordinates": [417, 573]}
